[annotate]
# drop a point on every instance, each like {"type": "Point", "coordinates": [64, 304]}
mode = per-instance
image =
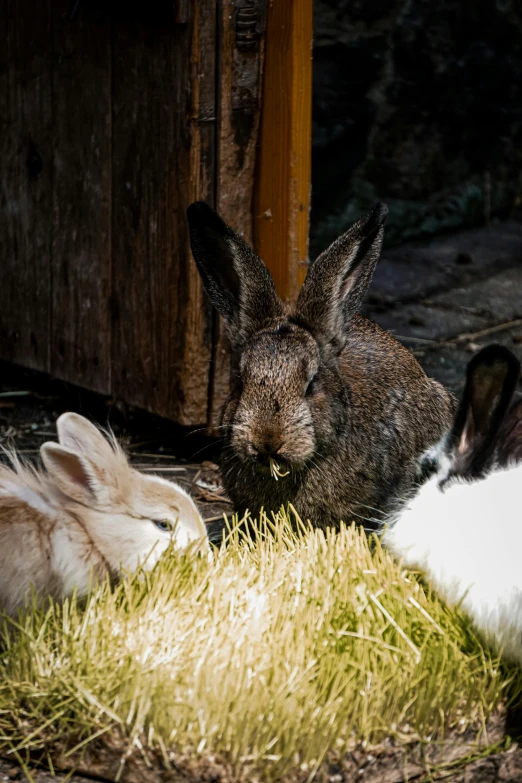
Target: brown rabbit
{"type": "Point", "coordinates": [341, 406]}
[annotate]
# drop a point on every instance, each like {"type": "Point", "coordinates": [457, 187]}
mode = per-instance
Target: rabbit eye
{"type": "Point", "coordinates": [164, 525]}
{"type": "Point", "coordinates": [311, 386]}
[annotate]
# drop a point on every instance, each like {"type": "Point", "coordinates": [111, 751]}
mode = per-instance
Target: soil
{"type": "Point", "coordinates": [460, 759]}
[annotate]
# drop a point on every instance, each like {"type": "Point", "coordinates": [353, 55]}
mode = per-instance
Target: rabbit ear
{"type": "Point", "coordinates": [79, 435]}
{"type": "Point", "coordinates": [73, 475]}
{"type": "Point", "coordinates": [238, 283]}
{"type": "Point", "coordinates": [492, 377]}
{"type": "Point", "coordinates": [337, 281]}
{"type": "Point", "coordinates": [510, 437]}
{"type": "Point", "coordinates": [104, 460]}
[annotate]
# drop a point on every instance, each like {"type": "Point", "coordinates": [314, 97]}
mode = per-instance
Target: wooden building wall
{"type": "Point", "coordinates": [114, 117]}
{"type": "Point", "coordinates": [111, 124]}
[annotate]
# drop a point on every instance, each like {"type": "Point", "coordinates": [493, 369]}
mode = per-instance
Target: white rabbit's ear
{"type": "Point", "coordinates": [338, 280]}
{"type": "Point", "coordinates": [73, 475]}
{"type": "Point", "coordinates": [492, 377]}
{"type": "Point", "coordinates": [78, 434]}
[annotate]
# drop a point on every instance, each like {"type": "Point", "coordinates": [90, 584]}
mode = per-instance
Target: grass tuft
{"type": "Point", "coordinates": [271, 654]}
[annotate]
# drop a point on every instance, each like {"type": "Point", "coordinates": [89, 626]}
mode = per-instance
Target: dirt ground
{"type": "Point", "coordinates": [459, 760]}
{"type": "Point", "coordinates": [31, 402]}
{"type": "Point", "coordinates": [444, 299]}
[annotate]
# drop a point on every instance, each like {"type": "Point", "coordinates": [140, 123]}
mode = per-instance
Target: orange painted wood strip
{"type": "Point", "coordinates": [282, 192]}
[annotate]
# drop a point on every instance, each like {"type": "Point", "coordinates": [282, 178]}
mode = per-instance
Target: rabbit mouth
{"type": "Point", "coordinates": [276, 467]}
{"type": "Point", "coordinates": [265, 463]}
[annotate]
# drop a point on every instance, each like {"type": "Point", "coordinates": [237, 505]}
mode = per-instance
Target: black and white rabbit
{"type": "Point", "coordinates": [464, 526]}
{"type": "Point", "coordinates": [341, 406]}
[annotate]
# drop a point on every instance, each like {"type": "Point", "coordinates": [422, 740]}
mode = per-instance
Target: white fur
{"type": "Point", "coordinates": [90, 515]}
{"type": "Point", "coordinates": [467, 538]}
{"type": "Point", "coordinates": [26, 495]}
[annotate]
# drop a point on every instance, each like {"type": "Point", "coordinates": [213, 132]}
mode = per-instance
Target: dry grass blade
{"type": "Point", "coordinates": [215, 518]}
{"type": "Point", "coordinates": [275, 470]}
{"type": "Point", "coordinates": [159, 469]}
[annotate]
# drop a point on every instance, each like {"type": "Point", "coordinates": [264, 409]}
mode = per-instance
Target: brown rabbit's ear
{"type": "Point", "coordinates": [492, 377]}
{"type": "Point", "coordinates": [238, 283]}
{"type": "Point", "coordinates": [337, 281]}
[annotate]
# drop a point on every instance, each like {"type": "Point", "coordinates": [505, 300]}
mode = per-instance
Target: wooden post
{"type": "Point", "coordinates": [282, 192]}
{"type": "Point", "coordinates": [239, 98]}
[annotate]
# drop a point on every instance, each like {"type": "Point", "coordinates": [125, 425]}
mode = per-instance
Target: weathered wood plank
{"type": "Point", "coordinates": [240, 58]}
{"type": "Point", "coordinates": [81, 86]}
{"type": "Point", "coordinates": [25, 182]}
{"type": "Point", "coordinates": [240, 62]}
{"type": "Point", "coordinates": [283, 181]}
{"type": "Point", "coordinates": [163, 158]}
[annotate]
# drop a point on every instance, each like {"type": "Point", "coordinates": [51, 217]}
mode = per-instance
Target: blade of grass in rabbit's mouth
{"type": "Point", "coordinates": [275, 471]}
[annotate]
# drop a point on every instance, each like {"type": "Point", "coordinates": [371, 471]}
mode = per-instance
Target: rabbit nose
{"type": "Point", "coordinates": [268, 447]}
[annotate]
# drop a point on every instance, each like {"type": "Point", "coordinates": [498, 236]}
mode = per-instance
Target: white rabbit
{"type": "Point", "coordinates": [90, 514]}
{"type": "Point", "coordinates": [464, 527]}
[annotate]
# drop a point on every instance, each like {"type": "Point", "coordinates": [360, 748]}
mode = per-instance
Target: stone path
{"type": "Point", "coordinates": [446, 298]}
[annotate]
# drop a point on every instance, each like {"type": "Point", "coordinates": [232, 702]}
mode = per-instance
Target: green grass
{"type": "Point", "coordinates": [272, 654]}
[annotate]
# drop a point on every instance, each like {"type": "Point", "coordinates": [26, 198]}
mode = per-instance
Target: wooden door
{"type": "Point", "coordinates": [112, 123]}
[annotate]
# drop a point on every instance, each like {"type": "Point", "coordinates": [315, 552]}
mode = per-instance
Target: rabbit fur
{"type": "Point", "coordinates": [464, 526]}
{"type": "Point", "coordinates": [340, 404]}
{"type": "Point", "coordinates": [87, 516]}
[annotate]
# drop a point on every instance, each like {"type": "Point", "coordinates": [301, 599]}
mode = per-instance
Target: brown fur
{"type": "Point", "coordinates": [333, 398]}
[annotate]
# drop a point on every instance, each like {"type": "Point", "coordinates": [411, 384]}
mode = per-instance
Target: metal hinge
{"type": "Point", "coordinates": [247, 33]}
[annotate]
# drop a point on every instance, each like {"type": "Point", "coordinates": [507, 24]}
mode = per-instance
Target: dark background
{"type": "Point", "coordinates": [418, 103]}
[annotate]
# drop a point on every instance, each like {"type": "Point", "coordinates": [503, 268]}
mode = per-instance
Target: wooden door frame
{"type": "Point", "coordinates": [283, 179]}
